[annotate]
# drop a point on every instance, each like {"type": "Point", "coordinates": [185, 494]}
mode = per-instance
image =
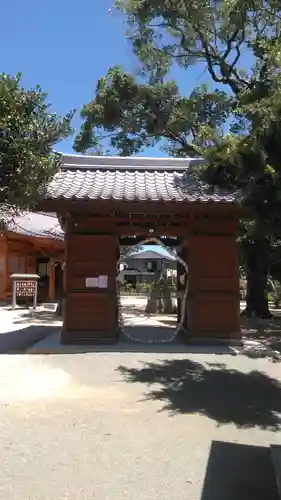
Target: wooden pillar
{"type": "Point", "coordinates": [182, 253]}
{"type": "Point", "coordinates": [179, 289]}
{"type": "Point", "coordinates": [31, 264]}
{"type": "Point", "coordinates": [52, 285]}
{"type": "Point", "coordinates": [90, 304]}
{"type": "Point", "coordinates": [4, 271]}
{"type": "Point", "coordinates": [214, 301]}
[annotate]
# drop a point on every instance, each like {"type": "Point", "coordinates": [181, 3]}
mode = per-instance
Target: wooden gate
{"type": "Point", "coordinates": [90, 289]}
{"type": "Point", "coordinates": [213, 305]}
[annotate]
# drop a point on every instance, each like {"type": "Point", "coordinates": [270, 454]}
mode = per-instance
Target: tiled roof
{"type": "Point", "coordinates": [36, 224]}
{"type": "Point", "coordinates": [149, 255]}
{"type": "Point", "coordinates": [87, 162]}
{"type": "Point", "coordinates": [132, 179]}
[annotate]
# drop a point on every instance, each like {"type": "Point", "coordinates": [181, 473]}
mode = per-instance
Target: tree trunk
{"type": "Point", "coordinates": [256, 266]}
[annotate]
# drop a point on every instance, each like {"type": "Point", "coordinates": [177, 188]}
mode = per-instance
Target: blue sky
{"type": "Point", "coordinates": [65, 46]}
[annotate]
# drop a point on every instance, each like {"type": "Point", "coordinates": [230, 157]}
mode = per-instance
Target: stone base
{"type": "Point", "coordinates": [231, 341]}
{"type": "Point", "coordinates": [85, 337]}
{"type": "Point", "coordinates": [215, 338]}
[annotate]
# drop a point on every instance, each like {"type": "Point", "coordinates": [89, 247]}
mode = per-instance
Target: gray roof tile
{"type": "Point", "coordinates": [39, 224]}
{"type": "Point", "coordinates": [149, 255]}
{"type": "Point", "coordinates": [131, 179]}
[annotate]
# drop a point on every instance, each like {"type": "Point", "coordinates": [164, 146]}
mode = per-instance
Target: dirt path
{"type": "Point", "coordinates": [138, 426]}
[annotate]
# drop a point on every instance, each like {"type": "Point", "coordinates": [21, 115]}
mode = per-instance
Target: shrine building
{"type": "Point", "coordinates": [32, 243]}
{"type": "Point", "coordinates": [104, 201]}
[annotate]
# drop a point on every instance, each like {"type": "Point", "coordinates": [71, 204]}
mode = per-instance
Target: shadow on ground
{"type": "Point", "coordinates": [17, 341]}
{"type": "Point", "coordinates": [38, 317]}
{"type": "Point", "coordinates": [238, 471]}
{"type": "Point", "coordinates": [222, 394]}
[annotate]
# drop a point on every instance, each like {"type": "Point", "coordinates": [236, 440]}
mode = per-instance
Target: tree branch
{"type": "Point", "coordinates": [211, 56]}
{"type": "Point", "coordinates": [174, 137]}
{"type": "Point", "coordinates": [229, 43]}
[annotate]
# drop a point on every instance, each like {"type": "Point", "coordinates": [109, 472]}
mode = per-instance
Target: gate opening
{"type": "Point", "coordinates": [151, 304]}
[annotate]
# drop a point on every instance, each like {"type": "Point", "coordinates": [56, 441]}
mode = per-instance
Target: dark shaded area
{"type": "Point", "coordinates": [275, 453]}
{"type": "Point", "coordinates": [224, 395]}
{"type": "Point", "coordinates": [238, 471]}
{"type": "Point", "coordinates": [17, 341]}
{"type": "Point", "coordinates": [255, 258]}
{"type": "Point", "coordinates": [266, 331]}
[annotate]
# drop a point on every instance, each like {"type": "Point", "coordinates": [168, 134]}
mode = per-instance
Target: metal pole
{"type": "Point", "coordinates": [35, 295]}
{"type": "Point", "coordinates": [14, 295]}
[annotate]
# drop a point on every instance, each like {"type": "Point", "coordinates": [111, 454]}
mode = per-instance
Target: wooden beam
{"type": "Point", "coordinates": [35, 240]}
{"type": "Point", "coordinates": [4, 270]}
{"type": "Point", "coordinates": [131, 241]}
{"type": "Point", "coordinates": [151, 220]}
{"type": "Point", "coordinates": [79, 222]}
{"type": "Point", "coordinates": [91, 207]}
{"type": "Point", "coordinates": [51, 273]}
{"type": "Point", "coordinates": [159, 231]}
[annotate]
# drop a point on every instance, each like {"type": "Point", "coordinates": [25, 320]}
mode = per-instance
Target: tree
{"type": "Point", "coordinates": [128, 116]}
{"type": "Point", "coordinates": [28, 133]}
{"type": "Point", "coordinates": [130, 113]}
{"type": "Point", "coordinates": [126, 251]}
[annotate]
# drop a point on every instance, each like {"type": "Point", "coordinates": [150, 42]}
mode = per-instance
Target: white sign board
{"type": "Point", "coordinates": [97, 282]}
{"type": "Point", "coordinates": [92, 282]}
{"type": "Point", "coordinates": [103, 281]}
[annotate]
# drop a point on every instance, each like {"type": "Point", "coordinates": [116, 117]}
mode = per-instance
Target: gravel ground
{"type": "Point", "coordinates": [138, 426]}
{"type": "Point", "coordinates": [151, 423]}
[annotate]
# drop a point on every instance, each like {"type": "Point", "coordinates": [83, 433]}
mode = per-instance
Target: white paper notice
{"type": "Point", "coordinates": [103, 281]}
{"type": "Point", "coordinates": [92, 282]}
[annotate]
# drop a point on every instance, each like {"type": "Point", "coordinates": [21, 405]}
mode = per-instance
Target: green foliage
{"type": "Point", "coordinates": [28, 132]}
{"type": "Point", "coordinates": [167, 32]}
{"type": "Point", "coordinates": [128, 250]}
{"type": "Point", "coordinates": [130, 114]}
{"type": "Point", "coordinates": [164, 32]}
